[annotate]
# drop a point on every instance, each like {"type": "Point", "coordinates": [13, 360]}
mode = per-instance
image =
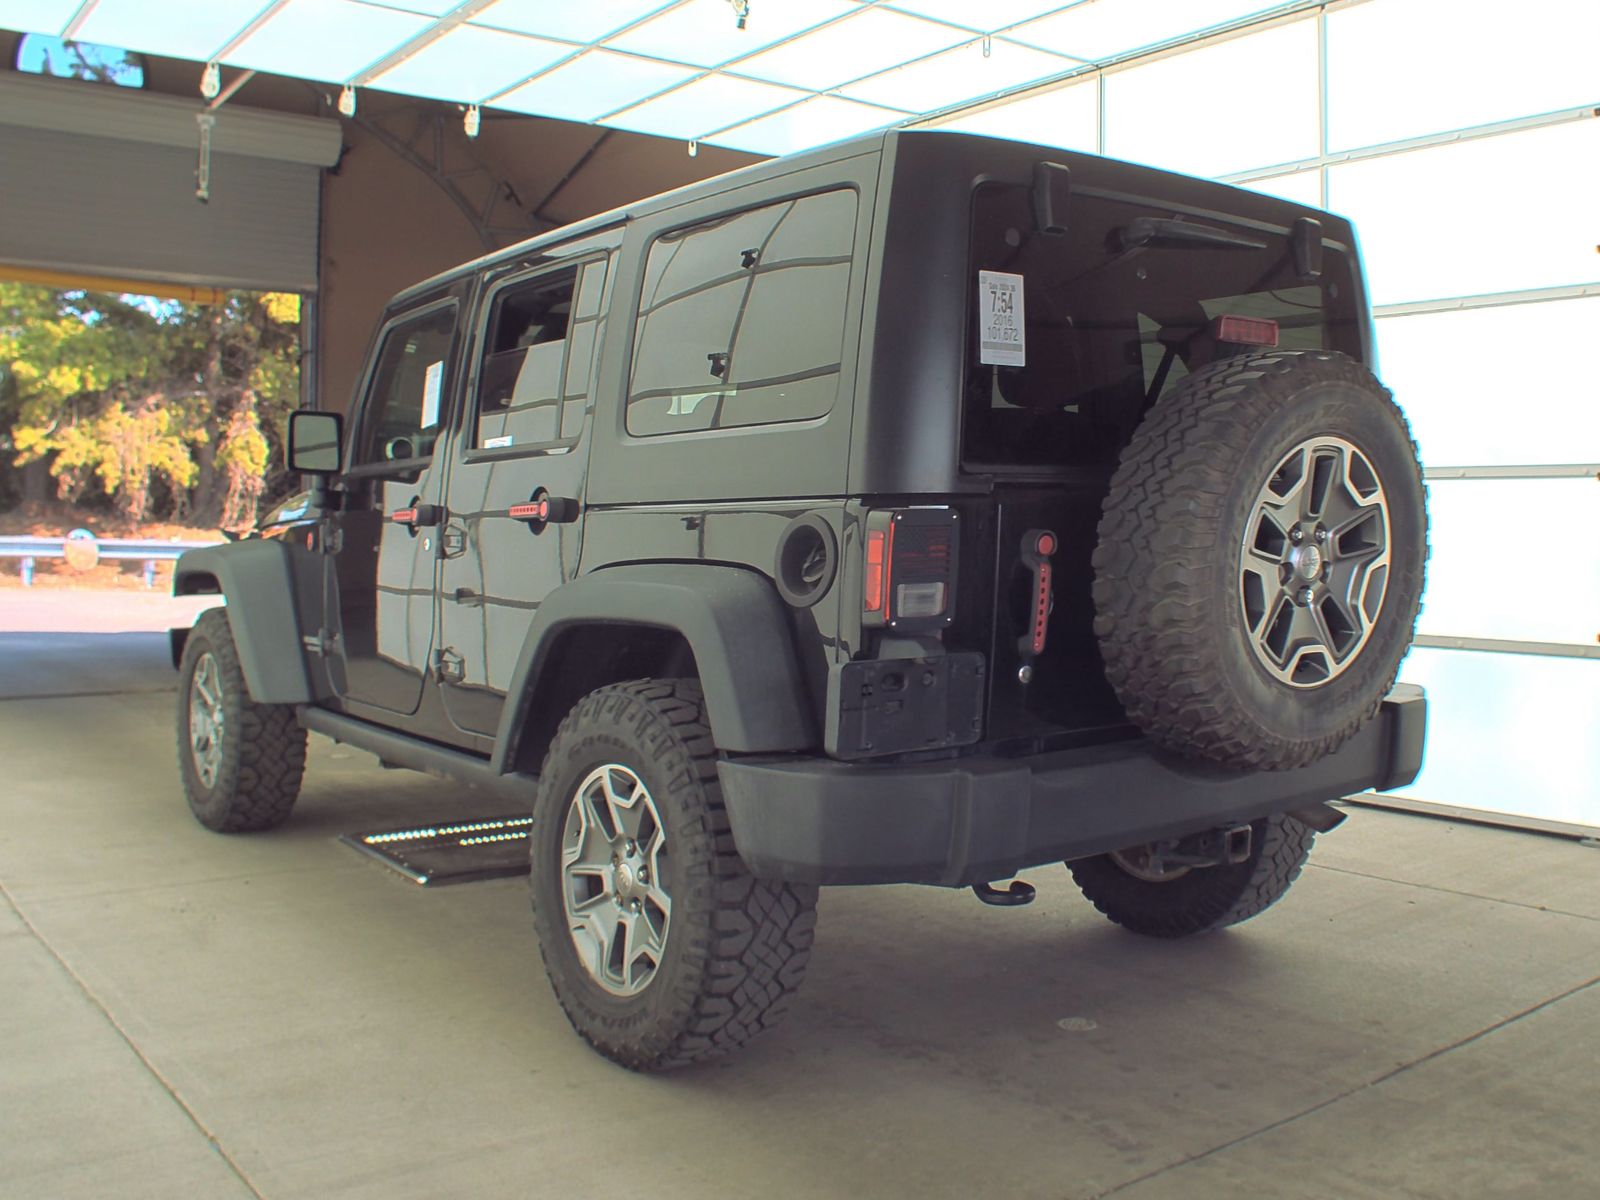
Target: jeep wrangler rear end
{"type": "Point", "coordinates": [920, 509]}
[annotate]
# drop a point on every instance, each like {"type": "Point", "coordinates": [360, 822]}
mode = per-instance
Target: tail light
{"type": "Point", "coordinates": [908, 577]}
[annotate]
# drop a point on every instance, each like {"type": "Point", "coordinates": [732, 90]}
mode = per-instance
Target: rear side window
{"type": "Point", "coordinates": [741, 320]}
{"type": "Point", "coordinates": [533, 384]}
{"type": "Point", "coordinates": [1112, 319]}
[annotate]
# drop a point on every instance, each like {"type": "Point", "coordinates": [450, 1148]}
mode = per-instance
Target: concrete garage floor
{"type": "Point", "coordinates": [188, 1014]}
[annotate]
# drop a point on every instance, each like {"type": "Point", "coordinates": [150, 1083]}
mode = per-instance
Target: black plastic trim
{"type": "Point", "coordinates": [257, 581]}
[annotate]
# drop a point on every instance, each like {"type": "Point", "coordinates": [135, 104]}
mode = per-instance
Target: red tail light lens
{"type": "Point", "coordinates": [908, 577]}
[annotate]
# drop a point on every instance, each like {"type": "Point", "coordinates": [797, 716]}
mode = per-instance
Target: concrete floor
{"type": "Point", "coordinates": [188, 1014]}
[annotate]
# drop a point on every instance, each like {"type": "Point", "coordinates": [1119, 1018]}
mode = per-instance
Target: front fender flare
{"type": "Point", "coordinates": [737, 628]}
{"type": "Point", "coordinates": [256, 579]}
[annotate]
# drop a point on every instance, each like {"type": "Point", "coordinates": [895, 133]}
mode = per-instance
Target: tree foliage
{"type": "Point", "coordinates": [158, 408]}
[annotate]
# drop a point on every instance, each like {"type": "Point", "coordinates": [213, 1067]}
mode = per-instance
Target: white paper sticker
{"type": "Point", "coordinates": [430, 394]}
{"type": "Point", "coordinates": [1000, 320]}
{"type": "Point", "coordinates": [495, 443]}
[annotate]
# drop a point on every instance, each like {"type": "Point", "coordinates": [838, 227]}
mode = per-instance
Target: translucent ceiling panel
{"type": "Point", "coordinates": [1498, 386]}
{"type": "Point", "coordinates": [715, 102]}
{"type": "Point", "coordinates": [432, 8]}
{"type": "Point", "coordinates": [983, 18]}
{"type": "Point", "coordinates": [593, 85]}
{"type": "Point", "coordinates": [965, 73]}
{"type": "Point", "coordinates": [870, 41]}
{"type": "Point", "coordinates": [1400, 68]}
{"type": "Point", "coordinates": [326, 39]}
{"type": "Point", "coordinates": [1248, 102]}
{"type": "Point", "coordinates": [1514, 558]}
{"type": "Point", "coordinates": [469, 64]}
{"type": "Point", "coordinates": [1510, 733]}
{"type": "Point", "coordinates": [1494, 214]}
{"type": "Point", "coordinates": [1101, 29]}
{"type": "Point", "coordinates": [814, 123]}
{"type": "Point", "coordinates": [194, 29]}
{"type": "Point", "coordinates": [706, 33]}
{"type": "Point", "coordinates": [575, 22]}
{"type": "Point", "coordinates": [1302, 187]}
{"type": "Point", "coordinates": [38, 16]}
{"type": "Point", "coordinates": [1068, 117]}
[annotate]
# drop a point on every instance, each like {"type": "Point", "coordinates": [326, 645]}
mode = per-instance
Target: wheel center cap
{"type": "Point", "coordinates": [1308, 562]}
{"type": "Point", "coordinates": [625, 879]}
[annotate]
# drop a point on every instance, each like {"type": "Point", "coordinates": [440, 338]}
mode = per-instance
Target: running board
{"type": "Point", "coordinates": [396, 749]}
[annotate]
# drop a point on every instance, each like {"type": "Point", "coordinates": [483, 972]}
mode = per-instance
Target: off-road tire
{"type": "Point", "coordinates": [263, 747]}
{"type": "Point", "coordinates": [1166, 565]}
{"type": "Point", "coordinates": [1201, 899]}
{"type": "Point", "coordinates": [736, 947]}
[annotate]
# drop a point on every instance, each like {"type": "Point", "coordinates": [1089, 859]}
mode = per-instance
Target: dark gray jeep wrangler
{"type": "Point", "coordinates": [919, 509]}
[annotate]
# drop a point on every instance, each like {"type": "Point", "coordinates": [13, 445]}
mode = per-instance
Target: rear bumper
{"type": "Point", "coordinates": [971, 820]}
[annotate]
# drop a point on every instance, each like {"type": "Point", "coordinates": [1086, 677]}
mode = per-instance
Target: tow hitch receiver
{"type": "Point", "coordinates": [1212, 848]}
{"type": "Point", "coordinates": [1015, 896]}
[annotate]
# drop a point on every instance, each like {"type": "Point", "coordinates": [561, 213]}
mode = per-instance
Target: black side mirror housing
{"type": "Point", "coordinates": [316, 442]}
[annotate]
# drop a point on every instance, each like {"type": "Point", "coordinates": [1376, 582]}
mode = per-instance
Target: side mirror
{"type": "Point", "coordinates": [315, 442]}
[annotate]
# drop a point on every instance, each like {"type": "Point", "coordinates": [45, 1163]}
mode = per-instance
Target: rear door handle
{"type": "Point", "coordinates": [420, 516]}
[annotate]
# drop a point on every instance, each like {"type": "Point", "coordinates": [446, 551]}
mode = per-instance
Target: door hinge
{"type": "Point", "coordinates": [449, 665]}
{"type": "Point", "coordinates": [452, 541]}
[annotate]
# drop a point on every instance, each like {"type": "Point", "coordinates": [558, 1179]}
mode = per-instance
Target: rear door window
{"type": "Point", "coordinates": [1112, 322]}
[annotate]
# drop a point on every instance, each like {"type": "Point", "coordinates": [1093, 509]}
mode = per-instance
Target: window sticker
{"type": "Point", "coordinates": [1000, 320]}
{"type": "Point", "coordinates": [496, 443]}
{"type": "Point", "coordinates": [430, 394]}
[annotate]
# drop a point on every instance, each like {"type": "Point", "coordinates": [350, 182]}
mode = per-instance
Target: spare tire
{"type": "Point", "coordinates": [1260, 559]}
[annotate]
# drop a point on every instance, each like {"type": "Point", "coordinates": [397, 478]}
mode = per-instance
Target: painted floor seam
{"type": "Point", "coordinates": [1434, 887]}
{"type": "Point", "coordinates": [100, 1006]}
{"type": "Point", "coordinates": [1378, 1081]}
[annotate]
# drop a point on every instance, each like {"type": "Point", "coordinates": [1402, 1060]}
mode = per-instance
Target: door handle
{"type": "Point", "coordinates": [420, 516]}
{"type": "Point", "coordinates": [542, 509]}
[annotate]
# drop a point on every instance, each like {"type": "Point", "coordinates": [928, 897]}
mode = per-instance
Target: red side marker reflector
{"type": "Point", "coordinates": [1245, 331]}
{"type": "Point", "coordinates": [872, 584]}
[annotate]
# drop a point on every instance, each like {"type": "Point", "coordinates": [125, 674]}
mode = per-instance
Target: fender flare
{"type": "Point", "coordinates": [737, 628]}
{"type": "Point", "coordinates": [256, 580]}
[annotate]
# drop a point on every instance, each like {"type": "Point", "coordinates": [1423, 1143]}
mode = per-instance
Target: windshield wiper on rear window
{"type": "Point", "coordinates": [1158, 233]}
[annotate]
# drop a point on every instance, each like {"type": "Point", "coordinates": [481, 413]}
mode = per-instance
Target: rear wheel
{"type": "Point", "coordinates": [241, 762]}
{"type": "Point", "coordinates": [659, 944]}
{"type": "Point", "coordinates": [1133, 888]}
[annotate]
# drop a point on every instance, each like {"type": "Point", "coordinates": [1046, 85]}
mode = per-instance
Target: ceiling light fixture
{"type": "Point", "coordinates": [347, 101]}
{"type": "Point", "coordinates": [211, 81]}
{"type": "Point", "coordinates": [472, 121]}
{"type": "Point", "coordinates": [694, 149]}
{"type": "Point", "coordinates": [741, 11]}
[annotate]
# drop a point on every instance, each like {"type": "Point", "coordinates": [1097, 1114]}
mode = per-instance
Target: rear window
{"type": "Point", "coordinates": [1114, 313]}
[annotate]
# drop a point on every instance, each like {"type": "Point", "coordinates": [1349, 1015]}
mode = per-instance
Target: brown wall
{"type": "Point", "coordinates": [386, 223]}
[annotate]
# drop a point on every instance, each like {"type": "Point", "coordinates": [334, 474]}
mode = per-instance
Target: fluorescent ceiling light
{"type": "Point", "coordinates": [574, 20]}
{"type": "Point", "coordinates": [706, 33]}
{"type": "Point", "coordinates": [872, 40]}
{"type": "Point", "coordinates": [194, 29]}
{"type": "Point", "coordinates": [985, 17]}
{"type": "Point", "coordinates": [467, 64]}
{"type": "Point", "coordinates": [706, 104]}
{"type": "Point", "coordinates": [964, 73]}
{"type": "Point", "coordinates": [818, 121]}
{"type": "Point", "coordinates": [1102, 29]}
{"type": "Point", "coordinates": [596, 83]}
{"type": "Point", "coordinates": [38, 16]}
{"type": "Point", "coordinates": [331, 40]}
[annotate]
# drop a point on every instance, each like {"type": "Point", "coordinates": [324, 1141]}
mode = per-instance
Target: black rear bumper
{"type": "Point", "coordinates": [971, 820]}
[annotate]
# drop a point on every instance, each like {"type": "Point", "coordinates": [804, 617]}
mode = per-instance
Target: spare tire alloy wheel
{"type": "Point", "coordinates": [1314, 564]}
{"type": "Point", "coordinates": [1259, 561]}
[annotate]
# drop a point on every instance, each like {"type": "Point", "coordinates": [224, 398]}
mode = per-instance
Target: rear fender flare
{"type": "Point", "coordinates": [737, 628]}
{"type": "Point", "coordinates": [256, 579]}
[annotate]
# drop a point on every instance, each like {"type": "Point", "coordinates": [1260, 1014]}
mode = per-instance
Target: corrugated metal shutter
{"type": "Point", "coordinates": [125, 205]}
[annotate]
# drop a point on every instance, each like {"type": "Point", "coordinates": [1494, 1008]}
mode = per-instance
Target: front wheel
{"type": "Point", "coordinates": [661, 947]}
{"type": "Point", "coordinates": [241, 762]}
{"type": "Point", "coordinates": [1135, 890]}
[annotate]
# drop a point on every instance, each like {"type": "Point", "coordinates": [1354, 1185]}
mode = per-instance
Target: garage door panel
{"type": "Point", "coordinates": [76, 202]}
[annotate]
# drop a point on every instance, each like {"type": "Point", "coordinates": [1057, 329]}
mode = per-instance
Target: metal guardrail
{"type": "Point", "coordinates": [88, 550]}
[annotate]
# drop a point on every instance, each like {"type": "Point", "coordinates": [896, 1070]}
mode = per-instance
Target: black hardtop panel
{"type": "Point", "coordinates": [908, 416]}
